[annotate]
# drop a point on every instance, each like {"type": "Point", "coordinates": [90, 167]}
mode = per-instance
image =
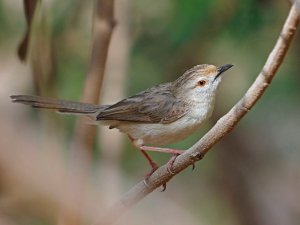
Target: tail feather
{"type": "Point", "coordinates": [62, 106]}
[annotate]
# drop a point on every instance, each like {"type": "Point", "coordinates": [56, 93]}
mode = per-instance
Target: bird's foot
{"type": "Point", "coordinates": [148, 175]}
{"type": "Point", "coordinates": [154, 166]}
{"type": "Point", "coordinates": [170, 164]}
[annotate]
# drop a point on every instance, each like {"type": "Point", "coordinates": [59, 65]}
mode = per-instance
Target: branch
{"type": "Point", "coordinates": [223, 126]}
{"type": "Point", "coordinates": [102, 30]}
{"type": "Point", "coordinates": [29, 9]}
{"type": "Point", "coordinates": [84, 136]}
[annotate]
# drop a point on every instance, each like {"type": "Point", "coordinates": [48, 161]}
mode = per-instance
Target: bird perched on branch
{"type": "Point", "coordinates": [160, 115]}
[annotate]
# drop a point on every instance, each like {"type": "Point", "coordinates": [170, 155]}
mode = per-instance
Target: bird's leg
{"type": "Point", "coordinates": [154, 167]}
{"type": "Point", "coordinates": [170, 163]}
{"type": "Point", "coordinates": [153, 164]}
{"type": "Point", "coordinates": [164, 150]}
{"type": "Point", "coordinates": [139, 144]}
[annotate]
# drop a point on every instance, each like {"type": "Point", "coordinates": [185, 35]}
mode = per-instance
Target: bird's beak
{"type": "Point", "coordinates": [222, 69]}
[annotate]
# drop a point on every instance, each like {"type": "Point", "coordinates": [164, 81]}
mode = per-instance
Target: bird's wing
{"type": "Point", "coordinates": [155, 105]}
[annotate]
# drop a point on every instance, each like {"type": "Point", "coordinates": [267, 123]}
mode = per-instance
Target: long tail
{"type": "Point", "coordinates": [58, 105]}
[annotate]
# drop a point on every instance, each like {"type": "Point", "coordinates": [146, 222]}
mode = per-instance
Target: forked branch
{"type": "Point", "coordinates": [219, 130]}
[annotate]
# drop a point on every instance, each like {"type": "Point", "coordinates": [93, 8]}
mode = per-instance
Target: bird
{"type": "Point", "coordinates": [160, 115]}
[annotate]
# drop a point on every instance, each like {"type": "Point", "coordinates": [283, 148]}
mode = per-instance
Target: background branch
{"type": "Point", "coordinates": [84, 135]}
{"type": "Point", "coordinates": [29, 9]}
{"type": "Point", "coordinates": [103, 25]}
{"type": "Point", "coordinates": [220, 129]}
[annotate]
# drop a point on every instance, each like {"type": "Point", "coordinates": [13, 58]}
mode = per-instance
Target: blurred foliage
{"type": "Point", "coordinates": [167, 38]}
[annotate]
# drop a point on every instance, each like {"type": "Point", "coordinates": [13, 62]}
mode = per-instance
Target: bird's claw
{"type": "Point", "coordinates": [193, 166]}
{"type": "Point", "coordinates": [171, 162]}
{"type": "Point", "coordinates": [148, 175]}
{"type": "Point", "coordinates": [164, 187]}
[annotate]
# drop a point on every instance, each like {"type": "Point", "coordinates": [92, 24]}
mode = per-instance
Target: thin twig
{"type": "Point", "coordinates": [103, 25]}
{"type": "Point", "coordinates": [220, 129]}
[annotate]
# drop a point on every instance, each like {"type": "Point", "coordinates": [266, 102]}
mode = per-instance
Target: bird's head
{"type": "Point", "coordinates": [200, 82]}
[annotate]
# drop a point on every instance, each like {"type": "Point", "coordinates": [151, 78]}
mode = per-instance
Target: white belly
{"type": "Point", "coordinates": [161, 134]}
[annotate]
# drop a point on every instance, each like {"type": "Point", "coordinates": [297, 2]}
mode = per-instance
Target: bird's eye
{"type": "Point", "coordinates": [201, 83]}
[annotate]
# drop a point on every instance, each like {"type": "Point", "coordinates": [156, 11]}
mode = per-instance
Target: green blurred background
{"type": "Point", "coordinates": [251, 177]}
